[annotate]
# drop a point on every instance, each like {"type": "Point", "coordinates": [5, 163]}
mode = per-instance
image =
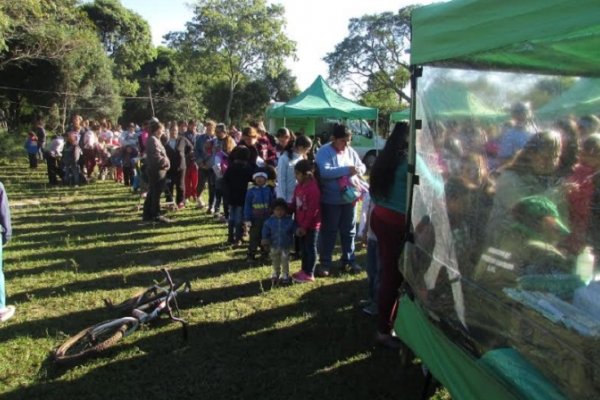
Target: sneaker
{"type": "Point", "coordinates": [285, 280]}
{"type": "Point", "coordinates": [181, 205]}
{"type": "Point", "coordinates": [274, 279]}
{"type": "Point", "coordinates": [237, 244]}
{"type": "Point", "coordinates": [6, 313]}
{"type": "Point", "coordinates": [222, 219]}
{"type": "Point", "coordinates": [351, 268]}
{"type": "Point", "coordinates": [388, 340]}
{"type": "Point", "coordinates": [163, 220]}
{"type": "Point", "coordinates": [371, 309]}
{"type": "Point", "coordinates": [322, 272]}
{"type": "Point", "coordinates": [302, 277]}
{"type": "Point", "coordinates": [210, 211]}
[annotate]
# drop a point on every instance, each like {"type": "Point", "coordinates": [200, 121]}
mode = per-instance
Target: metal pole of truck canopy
{"type": "Point", "coordinates": [413, 178]}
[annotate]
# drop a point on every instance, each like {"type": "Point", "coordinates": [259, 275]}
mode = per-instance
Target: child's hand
{"type": "Point", "coordinates": [300, 232]}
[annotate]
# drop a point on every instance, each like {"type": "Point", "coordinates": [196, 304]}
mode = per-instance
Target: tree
{"type": "Point", "coordinates": [231, 39]}
{"type": "Point", "coordinates": [49, 55]}
{"type": "Point", "coordinates": [126, 38]}
{"type": "Point", "coordinates": [176, 90]}
{"type": "Point", "coordinates": [374, 49]}
{"type": "Point", "coordinates": [282, 87]}
{"type": "Point", "coordinates": [33, 30]}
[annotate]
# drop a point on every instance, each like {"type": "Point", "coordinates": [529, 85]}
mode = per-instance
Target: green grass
{"type": "Point", "coordinates": [246, 340]}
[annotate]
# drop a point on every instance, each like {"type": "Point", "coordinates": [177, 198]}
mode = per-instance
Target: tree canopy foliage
{"type": "Point", "coordinates": [126, 38]}
{"type": "Point", "coordinates": [372, 56]}
{"type": "Point", "coordinates": [235, 39]}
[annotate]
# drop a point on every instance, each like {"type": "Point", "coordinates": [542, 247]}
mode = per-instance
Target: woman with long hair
{"type": "Point", "coordinates": [388, 186]}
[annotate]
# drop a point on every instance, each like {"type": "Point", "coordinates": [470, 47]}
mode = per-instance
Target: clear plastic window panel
{"type": "Point", "coordinates": [506, 218]}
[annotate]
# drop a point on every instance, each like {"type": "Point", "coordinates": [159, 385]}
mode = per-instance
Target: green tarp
{"type": "Point", "coordinates": [552, 36]}
{"type": "Point", "coordinates": [320, 100]}
{"type": "Point", "coordinates": [500, 375]}
{"type": "Point", "coordinates": [582, 99]}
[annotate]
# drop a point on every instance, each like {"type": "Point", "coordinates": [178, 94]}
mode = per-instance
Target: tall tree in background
{"type": "Point", "coordinates": [232, 39]}
{"type": "Point", "coordinates": [126, 38]}
{"type": "Point", "coordinates": [282, 87]}
{"type": "Point", "coordinates": [51, 59]}
{"type": "Point", "coordinates": [174, 88]}
{"type": "Point", "coordinates": [373, 54]}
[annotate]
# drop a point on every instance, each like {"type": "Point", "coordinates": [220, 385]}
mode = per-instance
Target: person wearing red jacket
{"type": "Point", "coordinates": [306, 204]}
{"type": "Point", "coordinates": [582, 186]}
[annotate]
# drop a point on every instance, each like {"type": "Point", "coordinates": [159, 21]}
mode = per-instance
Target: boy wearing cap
{"type": "Point", "coordinates": [528, 248]}
{"type": "Point", "coordinates": [257, 210]}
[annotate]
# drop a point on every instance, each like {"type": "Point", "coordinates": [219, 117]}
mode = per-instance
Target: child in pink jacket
{"type": "Point", "coordinates": [307, 206]}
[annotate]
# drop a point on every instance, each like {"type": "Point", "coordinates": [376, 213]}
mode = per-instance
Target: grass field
{"type": "Point", "coordinates": [73, 247]}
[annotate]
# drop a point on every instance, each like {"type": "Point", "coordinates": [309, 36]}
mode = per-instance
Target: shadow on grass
{"type": "Point", "coordinates": [325, 352]}
{"type": "Point", "coordinates": [156, 257]}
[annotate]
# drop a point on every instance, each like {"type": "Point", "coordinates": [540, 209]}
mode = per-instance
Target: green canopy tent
{"type": "Point", "coordinates": [582, 99]}
{"type": "Point", "coordinates": [403, 115]}
{"type": "Point", "coordinates": [319, 100]}
{"type": "Point", "coordinates": [555, 37]}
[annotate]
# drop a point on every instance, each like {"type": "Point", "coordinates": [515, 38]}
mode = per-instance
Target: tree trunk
{"type": "Point", "coordinates": [232, 86]}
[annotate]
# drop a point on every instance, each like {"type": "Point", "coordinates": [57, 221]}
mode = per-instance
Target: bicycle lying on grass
{"type": "Point", "coordinates": [143, 307]}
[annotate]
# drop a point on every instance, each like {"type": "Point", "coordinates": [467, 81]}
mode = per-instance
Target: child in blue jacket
{"type": "Point", "coordinates": [278, 234]}
{"type": "Point", "coordinates": [257, 209]}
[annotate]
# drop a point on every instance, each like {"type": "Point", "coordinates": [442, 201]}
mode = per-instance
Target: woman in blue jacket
{"type": "Point", "coordinates": [337, 161]}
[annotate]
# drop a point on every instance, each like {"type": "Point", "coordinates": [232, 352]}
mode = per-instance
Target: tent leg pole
{"type": "Point", "coordinates": [426, 385]}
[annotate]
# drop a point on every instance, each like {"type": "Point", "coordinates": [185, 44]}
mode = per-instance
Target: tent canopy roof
{"type": "Point", "coordinates": [320, 100]}
{"type": "Point", "coordinates": [548, 36]}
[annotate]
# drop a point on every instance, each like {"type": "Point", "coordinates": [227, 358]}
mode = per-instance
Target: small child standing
{"type": "Point", "coordinates": [278, 235]}
{"type": "Point", "coordinates": [256, 211]}
{"type": "Point", "coordinates": [307, 208]}
{"type": "Point", "coordinates": [31, 146]}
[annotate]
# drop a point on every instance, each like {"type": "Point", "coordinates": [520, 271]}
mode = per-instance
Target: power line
{"type": "Point", "coordinates": [84, 96]}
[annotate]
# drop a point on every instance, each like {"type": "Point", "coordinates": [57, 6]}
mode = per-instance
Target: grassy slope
{"type": "Point", "coordinates": [80, 245]}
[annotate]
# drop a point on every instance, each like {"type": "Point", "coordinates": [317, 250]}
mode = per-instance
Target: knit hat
{"type": "Point", "coordinates": [260, 174]}
{"type": "Point", "coordinates": [537, 207]}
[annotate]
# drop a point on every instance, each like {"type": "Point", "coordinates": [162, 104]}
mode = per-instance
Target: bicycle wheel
{"type": "Point", "coordinates": [95, 339]}
{"type": "Point", "coordinates": [145, 296]}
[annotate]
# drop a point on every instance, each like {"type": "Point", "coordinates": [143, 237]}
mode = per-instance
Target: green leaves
{"type": "Point", "coordinates": [373, 54]}
{"type": "Point", "coordinates": [237, 39]}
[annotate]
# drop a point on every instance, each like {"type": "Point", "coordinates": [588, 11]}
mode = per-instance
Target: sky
{"type": "Point", "coordinates": [315, 25]}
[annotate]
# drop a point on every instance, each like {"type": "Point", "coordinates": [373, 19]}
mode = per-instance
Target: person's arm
{"type": "Point", "coordinates": [248, 206]}
{"type": "Point", "coordinates": [312, 208]}
{"type": "Point", "coordinates": [361, 168]}
{"type": "Point", "coordinates": [5, 216]}
{"type": "Point", "coordinates": [281, 179]}
{"type": "Point", "coordinates": [266, 233]}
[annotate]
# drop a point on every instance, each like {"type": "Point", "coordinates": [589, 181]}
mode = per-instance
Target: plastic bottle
{"type": "Point", "coordinates": [585, 265]}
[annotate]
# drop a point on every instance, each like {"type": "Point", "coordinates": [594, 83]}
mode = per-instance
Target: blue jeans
{"type": "Point", "coordinates": [2, 292]}
{"type": "Point", "coordinates": [308, 247]}
{"type": "Point", "coordinates": [373, 267]}
{"type": "Point", "coordinates": [234, 227]}
{"type": "Point", "coordinates": [337, 218]}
